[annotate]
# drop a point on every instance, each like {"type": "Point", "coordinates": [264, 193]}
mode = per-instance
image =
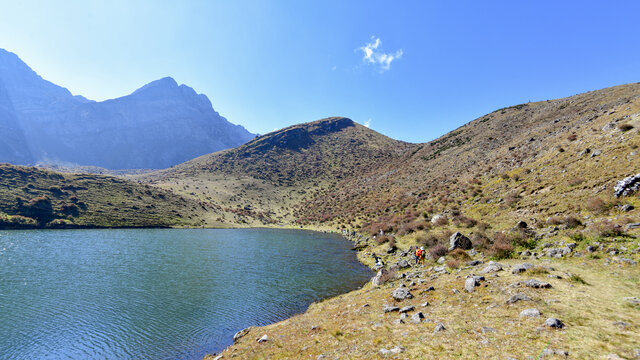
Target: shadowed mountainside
{"type": "Point", "coordinates": [157, 126]}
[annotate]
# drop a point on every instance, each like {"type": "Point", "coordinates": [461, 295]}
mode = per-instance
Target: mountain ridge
{"type": "Point", "coordinates": [158, 125]}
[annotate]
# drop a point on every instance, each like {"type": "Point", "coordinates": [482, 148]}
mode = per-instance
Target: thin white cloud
{"type": "Point", "coordinates": [367, 123]}
{"type": "Point", "coordinates": [377, 57]}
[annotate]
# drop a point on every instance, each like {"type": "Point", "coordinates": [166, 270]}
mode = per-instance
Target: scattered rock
{"type": "Point", "coordinates": [430, 288]}
{"type": "Point", "coordinates": [394, 351]}
{"type": "Point", "coordinates": [407, 309]}
{"type": "Point", "coordinates": [459, 241]}
{"type": "Point", "coordinates": [492, 267]}
{"type": "Point", "coordinates": [264, 338]}
{"type": "Point", "coordinates": [486, 329]}
{"type": "Point", "coordinates": [437, 218]}
{"type": "Point", "coordinates": [554, 323]}
{"type": "Point", "coordinates": [455, 291]}
{"type": "Point", "coordinates": [381, 277]}
{"type": "Point", "coordinates": [441, 260]}
{"type": "Point", "coordinates": [417, 318]}
{"type": "Point", "coordinates": [425, 304]}
{"type": "Point", "coordinates": [621, 324]}
{"type": "Point", "coordinates": [401, 293]}
{"type": "Point", "coordinates": [387, 308]}
{"type": "Point", "coordinates": [518, 297]}
{"type": "Point", "coordinates": [521, 268]}
{"type": "Point", "coordinates": [530, 313]}
{"type": "Point", "coordinates": [627, 186]}
{"type": "Point", "coordinates": [536, 284]}
{"type": "Point", "coordinates": [240, 334]}
{"type": "Point", "coordinates": [475, 262]}
{"type": "Point", "coordinates": [403, 264]}
{"type": "Point", "coordinates": [632, 300]}
{"type": "Point", "coordinates": [440, 327]}
{"type": "Point", "coordinates": [472, 282]}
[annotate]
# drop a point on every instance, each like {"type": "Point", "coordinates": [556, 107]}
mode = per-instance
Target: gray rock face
{"type": "Point", "coordinates": [459, 241]}
{"type": "Point", "coordinates": [401, 293]}
{"type": "Point", "coordinates": [157, 126]}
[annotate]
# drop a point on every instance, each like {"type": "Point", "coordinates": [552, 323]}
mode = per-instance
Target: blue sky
{"type": "Point", "coordinates": [270, 64]}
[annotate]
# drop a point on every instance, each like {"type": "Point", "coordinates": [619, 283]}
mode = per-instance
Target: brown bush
{"type": "Point", "coordinates": [625, 127]}
{"type": "Point", "coordinates": [459, 254]}
{"type": "Point", "coordinates": [437, 251]}
{"type": "Point", "coordinates": [441, 221]}
{"type": "Point", "coordinates": [463, 221]}
{"type": "Point", "coordinates": [512, 198]}
{"type": "Point", "coordinates": [599, 206]}
{"type": "Point", "coordinates": [572, 137]}
{"type": "Point", "coordinates": [480, 241]}
{"type": "Point", "coordinates": [575, 181]}
{"type": "Point", "coordinates": [381, 239]}
{"type": "Point", "coordinates": [606, 228]}
{"type": "Point", "coordinates": [501, 248]}
{"type": "Point", "coordinates": [453, 264]}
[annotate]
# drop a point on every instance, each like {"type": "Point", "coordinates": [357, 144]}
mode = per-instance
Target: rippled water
{"type": "Point", "coordinates": [158, 294]}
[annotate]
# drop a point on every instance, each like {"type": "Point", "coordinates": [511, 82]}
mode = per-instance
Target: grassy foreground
{"type": "Point", "coordinates": [592, 293]}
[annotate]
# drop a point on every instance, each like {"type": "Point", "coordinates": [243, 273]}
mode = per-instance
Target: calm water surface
{"type": "Point", "coordinates": [158, 294]}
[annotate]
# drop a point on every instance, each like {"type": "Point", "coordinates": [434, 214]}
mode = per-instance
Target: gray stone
{"type": "Point", "coordinates": [403, 264]}
{"type": "Point", "coordinates": [521, 268]}
{"type": "Point", "coordinates": [475, 262]}
{"type": "Point", "coordinates": [518, 297]}
{"type": "Point", "coordinates": [472, 282]}
{"type": "Point", "coordinates": [401, 293]}
{"type": "Point", "coordinates": [536, 284]}
{"type": "Point", "coordinates": [554, 323]}
{"type": "Point", "coordinates": [459, 241]}
{"type": "Point", "coordinates": [441, 260]}
{"type": "Point", "coordinates": [437, 218]}
{"type": "Point", "coordinates": [381, 277]}
{"type": "Point", "coordinates": [627, 186]}
{"type": "Point", "coordinates": [407, 309]}
{"type": "Point", "coordinates": [240, 334]}
{"type": "Point", "coordinates": [264, 338]}
{"type": "Point", "coordinates": [440, 327]}
{"type": "Point", "coordinates": [632, 300]}
{"type": "Point", "coordinates": [627, 207]}
{"type": "Point", "coordinates": [425, 304]}
{"type": "Point", "coordinates": [492, 267]}
{"type": "Point", "coordinates": [387, 308]}
{"type": "Point", "coordinates": [486, 329]}
{"type": "Point", "coordinates": [417, 318]}
{"type": "Point", "coordinates": [530, 313]}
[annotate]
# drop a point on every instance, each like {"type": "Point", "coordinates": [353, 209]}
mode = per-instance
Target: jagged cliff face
{"type": "Point", "coordinates": [159, 125]}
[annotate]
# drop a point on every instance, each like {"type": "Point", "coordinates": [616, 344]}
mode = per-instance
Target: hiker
{"type": "Point", "coordinates": [419, 254]}
{"type": "Point", "coordinates": [422, 255]}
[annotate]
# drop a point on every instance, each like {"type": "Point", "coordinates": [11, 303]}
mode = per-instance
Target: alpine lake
{"type": "Point", "coordinates": [159, 293]}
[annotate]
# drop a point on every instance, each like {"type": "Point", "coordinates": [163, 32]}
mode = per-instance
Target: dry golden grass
{"type": "Point", "coordinates": [353, 326]}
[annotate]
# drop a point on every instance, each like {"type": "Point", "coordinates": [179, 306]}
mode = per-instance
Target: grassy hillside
{"type": "Point", "coordinates": [31, 198]}
{"type": "Point", "coordinates": [259, 183]}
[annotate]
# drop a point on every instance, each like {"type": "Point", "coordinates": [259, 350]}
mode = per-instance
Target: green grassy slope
{"type": "Point", "coordinates": [30, 198]}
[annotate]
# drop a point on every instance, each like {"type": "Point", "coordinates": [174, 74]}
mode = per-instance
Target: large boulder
{"type": "Point", "coordinates": [627, 186]}
{"type": "Point", "coordinates": [381, 277]}
{"type": "Point", "coordinates": [459, 241]}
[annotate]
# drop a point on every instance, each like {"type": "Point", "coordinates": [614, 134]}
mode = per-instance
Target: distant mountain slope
{"type": "Point", "coordinates": [32, 198]}
{"type": "Point", "coordinates": [157, 126]}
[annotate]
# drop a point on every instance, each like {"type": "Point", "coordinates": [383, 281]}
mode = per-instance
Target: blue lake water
{"type": "Point", "coordinates": [159, 293]}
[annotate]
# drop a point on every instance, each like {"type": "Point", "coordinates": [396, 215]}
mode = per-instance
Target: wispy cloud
{"type": "Point", "coordinates": [374, 55]}
{"type": "Point", "coordinates": [367, 123]}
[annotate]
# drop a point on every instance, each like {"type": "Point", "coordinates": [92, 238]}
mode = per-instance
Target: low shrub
{"type": "Point", "coordinates": [437, 251]}
{"type": "Point", "coordinates": [463, 221]}
{"type": "Point", "coordinates": [381, 239]}
{"type": "Point", "coordinates": [453, 264]}
{"type": "Point", "coordinates": [480, 241]}
{"type": "Point", "coordinates": [459, 254]}
{"type": "Point", "coordinates": [501, 248]}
